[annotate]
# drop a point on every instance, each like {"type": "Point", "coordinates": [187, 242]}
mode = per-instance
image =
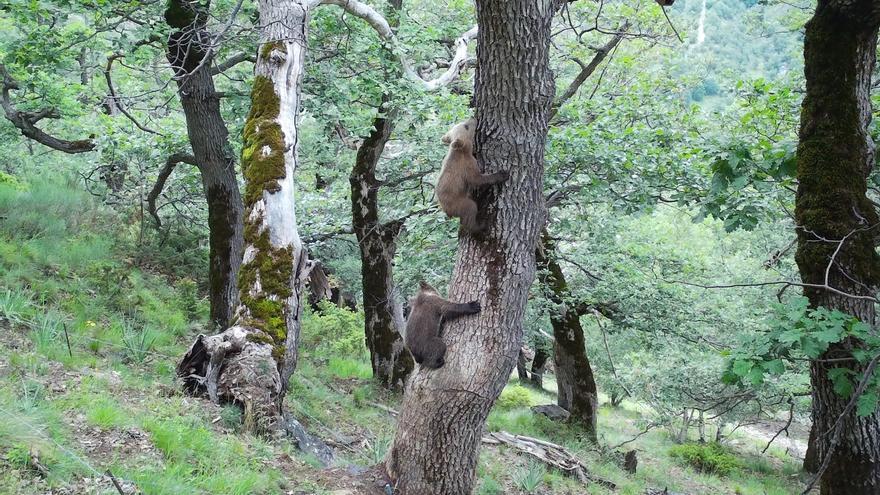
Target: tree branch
{"type": "Point", "coordinates": [172, 162]}
{"type": "Point", "coordinates": [381, 26]}
{"type": "Point", "coordinates": [587, 70]}
{"type": "Point", "coordinates": [119, 104]}
{"type": "Point", "coordinates": [26, 121]}
{"type": "Point", "coordinates": [232, 61]}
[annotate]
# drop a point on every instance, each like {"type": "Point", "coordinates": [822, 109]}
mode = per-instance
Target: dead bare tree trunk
{"type": "Point", "coordinates": [435, 448]}
{"type": "Point", "coordinates": [251, 362]}
{"type": "Point", "coordinates": [837, 227]}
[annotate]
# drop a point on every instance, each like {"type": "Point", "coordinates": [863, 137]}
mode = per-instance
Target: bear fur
{"type": "Point", "coordinates": [428, 312]}
{"type": "Point", "coordinates": [461, 177]}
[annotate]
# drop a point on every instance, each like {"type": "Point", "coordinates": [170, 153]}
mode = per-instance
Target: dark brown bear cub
{"type": "Point", "coordinates": [427, 314]}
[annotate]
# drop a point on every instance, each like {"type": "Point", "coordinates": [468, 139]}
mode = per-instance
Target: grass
{"type": "Point", "coordinates": [69, 265]}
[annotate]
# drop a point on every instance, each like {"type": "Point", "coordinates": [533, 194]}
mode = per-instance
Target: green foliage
{"type": "Point", "coordinates": [15, 306]}
{"type": "Point", "coordinates": [707, 458]}
{"type": "Point", "coordinates": [798, 331]}
{"type": "Point", "coordinates": [531, 477]}
{"type": "Point", "coordinates": [334, 331]}
{"type": "Point", "coordinates": [106, 413]}
{"type": "Point", "coordinates": [231, 415]}
{"type": "Point", "coordinates": [488, 486]}
{"type": "Point", "coordinates": [349, 368]}
{"type": "Point", "coordinates": [514, 397]}
{"type": "Point", "coordinates": [138, 341]}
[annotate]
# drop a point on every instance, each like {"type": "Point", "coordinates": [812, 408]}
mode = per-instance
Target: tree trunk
{"type": "Point", "coordinates": [210, 145]}
{"type": "Point", "coordinates": [521, 366]}
{"type": "Point", "coordinates": [251, 362]}
{"type": "Point", "coordinates": [811, 457]}
{"type": "Point", "coordinates": [319, 286]}
{"type": "Point", "coordinates": [383, 311]}
{"type": "Point", "coordinates": [538, 366]}
{"type": "Point", "coordinates": [574, 376]}
{"type": "Point", "coordinates": [834, 215]}
{"type": "Point", "coordinates": [444, 411]}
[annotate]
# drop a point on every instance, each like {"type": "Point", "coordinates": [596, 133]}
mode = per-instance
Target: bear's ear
{"type": "Point", "coordinates": [425, 286]}
{"type": "Point", "coordinates": [446, 139]}
{"type": "Point", "coordinates": [458, 144]}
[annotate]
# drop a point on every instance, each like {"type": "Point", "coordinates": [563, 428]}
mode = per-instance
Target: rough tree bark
{"type": "Point", "coordinates": [383, 312]}
{"type": "Point", "coordinates": [251, 362]}
{"type": "Point", "coordinates": [539, 364]}
{"type": "Point", "coordinates": [834, 215]}
{"type": "Point", "coordinates": [574, 375]}
{"type": "Point", "coordinates": [521, 366]}
{"type": "Point", "coordinates": [444, 411]}
{"type": "Point", "coordinates": [209, 138]}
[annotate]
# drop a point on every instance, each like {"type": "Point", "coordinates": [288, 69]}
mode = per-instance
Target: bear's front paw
{"type": "Point", "coordinates": [475, 306]}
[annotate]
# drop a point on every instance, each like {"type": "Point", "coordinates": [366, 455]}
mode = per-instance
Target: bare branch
{"type": "Point", "coordinates": [232, 61]}
{"type": "Point", "coordinates": [172, 162]}
{"type": "Point", "coordinates": [587, 70]}
{"type": "Point", "coordinates": [381, 26]}
{"type": "Point", "coordinates": [116, 99]}
{"type": "Point", "coordinates": [26, 121]}
{"type": "Point", "coordinates": [837, 429]}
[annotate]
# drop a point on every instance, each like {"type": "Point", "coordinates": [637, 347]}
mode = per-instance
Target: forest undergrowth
{"type": "Point", "coordinates": [92, 327]}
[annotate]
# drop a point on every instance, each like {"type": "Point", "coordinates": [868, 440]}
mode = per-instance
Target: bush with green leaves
{"type": "Point", "coordinates": [514, 397]}
{"type": "Point", "coordinates": [707, 457]}
{"type": "Point", "coordinates": [332, 331]}
{"type": "Point", "coordinates": [530, 478]}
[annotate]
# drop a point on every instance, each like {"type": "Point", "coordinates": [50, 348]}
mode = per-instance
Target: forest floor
{"type": "Point", "coordinates": [91, 329]}
{"type": "Point", "coordinates": [67, 422]}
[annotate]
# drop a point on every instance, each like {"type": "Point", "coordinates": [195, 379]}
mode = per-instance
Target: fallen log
{"type": "Point", "coordinates": [549, 453]}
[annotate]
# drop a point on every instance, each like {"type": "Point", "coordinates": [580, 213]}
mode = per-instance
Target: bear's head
{"type": "Point", "coordinates": [425, 287]}
{"type": "Point", "coordinates": [461, 136]}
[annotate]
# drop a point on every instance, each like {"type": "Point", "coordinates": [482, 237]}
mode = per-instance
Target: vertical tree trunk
{"type": "Point", "coordinates": [835, 156]}
{"type": "Point", "coordinates": [444, 411]}
{"type": "Point", "coordinates": [251, 362]}
{"type": "Point", "coordinates": [521, 369]}
{"type": "Point", "coordinates": [538, 366]}
{"type": "Point", "coordinates": [811, 456]}
{"type": "Point", "coordinates": [210, 144]}
{"type": "Point", "coordinates": [574, 376]}
{"type": "Point", "coordinates": [383, 312]}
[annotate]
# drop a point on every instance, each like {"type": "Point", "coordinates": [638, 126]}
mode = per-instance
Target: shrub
{"type": "Point", "coordinates": [14, 305]}
{"type": "Point", "coordinates": [706, 457]}
{"type": "Point", "coordinates": [513, 397]}
{"type": "Point", "coordinates": [529, 479]}
{"type": "Point", "coordinates": [488, 486]}
{"type": "Point", "coordinates": [334, 331]}
{"type": "Point", "coordinates": [137, 342]}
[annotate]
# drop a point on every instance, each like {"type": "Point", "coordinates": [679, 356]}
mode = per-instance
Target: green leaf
{"type": "Point", "coordinates": [741, 367]}
{"type": "Point", "coordinates": [776, 367]}
{"type": "Point", "coordinates": [756, 376]}
{"type": "Point", "coordinates": [867, 404]}
{"type": "Point", "coordinates": [840, 381]}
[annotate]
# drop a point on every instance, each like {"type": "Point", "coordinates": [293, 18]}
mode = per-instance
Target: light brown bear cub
{"type": "Point", "coordinates": [461, 176]}
{"type": "Point", "coordinates": [427, 314]}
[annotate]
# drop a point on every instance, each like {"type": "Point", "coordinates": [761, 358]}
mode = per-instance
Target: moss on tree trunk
{"type": "Point", "coordinates": [834, 215]}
